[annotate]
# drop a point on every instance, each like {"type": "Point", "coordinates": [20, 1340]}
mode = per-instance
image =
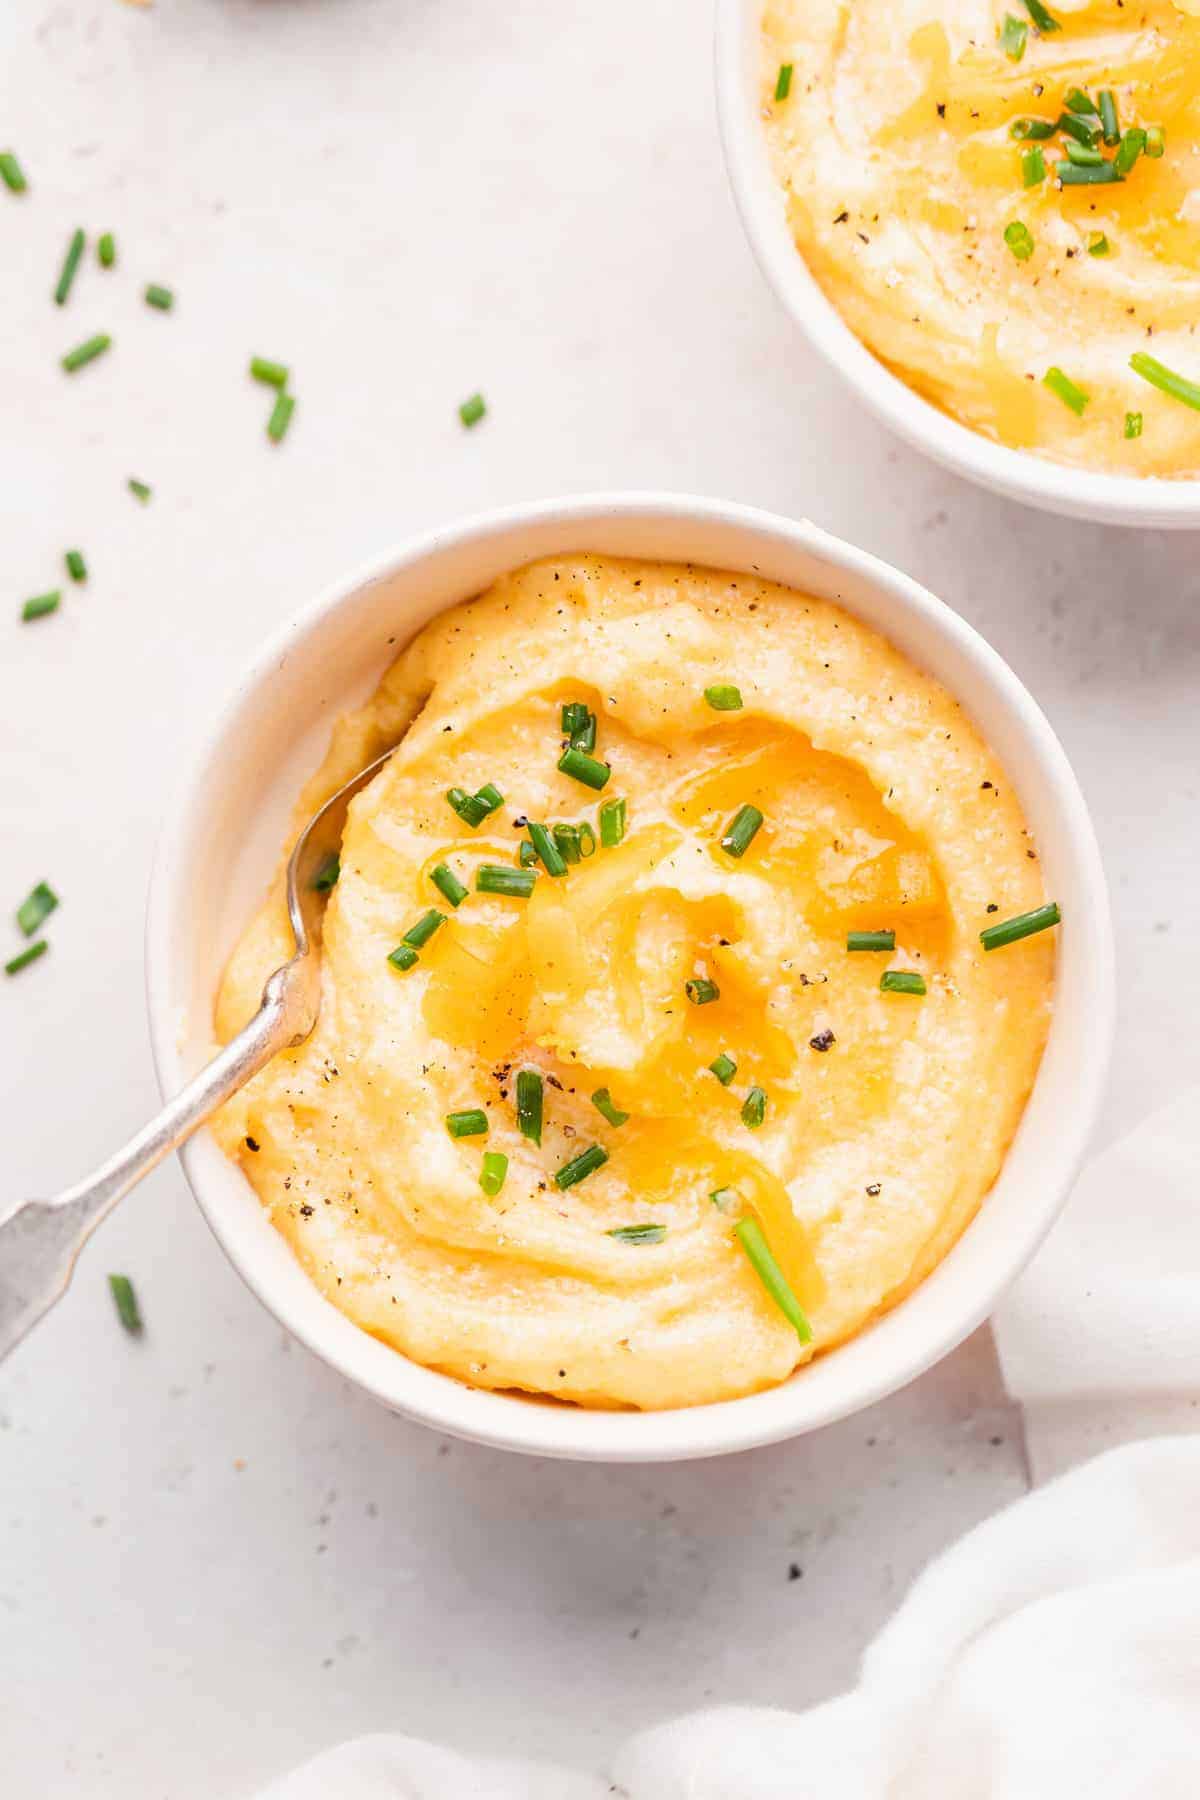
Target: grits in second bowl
{"type": "Point", "coordinates": [1002, 199]}
{"type": "Point", "coordinates": [659, 1049]}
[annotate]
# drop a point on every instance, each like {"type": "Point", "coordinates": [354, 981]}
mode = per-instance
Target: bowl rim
{"type": "Point", "coordinates": [1052, 487]}
{"type": "Point", "coordinates": [502, 1420]}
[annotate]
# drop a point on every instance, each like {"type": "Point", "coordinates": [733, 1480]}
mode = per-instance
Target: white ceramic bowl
{"type": "Point", "coordinates": [223, 837]}
{"type": "Point", "coordinates": [1080, 493]}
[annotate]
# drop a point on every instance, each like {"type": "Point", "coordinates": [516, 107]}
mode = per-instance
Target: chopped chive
{"type": "Point", "coordinates": [754, 1108]}
{"type": "Point", "coordinates": [24, 957]}
{"type": "Point", "coordinates": [1042, 19]}
{"type": "Point", "coordinates": [1129, 149]}
{"type": "Point", "coordinates": [11, 172]}
{"type": "Point", "coordinates": [1065, 388]}
{"type": "Point", "coordinates": [639, 1234]}
{"type": "Point", "coordinates": [1019, 239]}
{"type": "Point", "coordinates": [125, 1301]}
{"type": "Point", "coordinates": [725, 1199]}
{"type": "Point", "coordinates": [472, 410]}
{"type": "Point", "coordinates": [741, 830]}
{"type": "Point", "coordinates": [724, 1068]}
{"type": "Point", "coordinates": [418, 935]}
{"type": "Point", "coordinates": [141, 490]}
{"type": "Point", "coordinates": [86, 352]}
{"type": "Point", "coordinates": [403, 957]}
{"type": "Point", "coordinates": [1032, 128]}
{"type": "Point", "coordinates": [76, 567]}
{"type": "Point", "coordinates": [1086, 175]}
{"type": "Point", "coordinates": [70, 265]}
{"type": "Point", "coordinates": [469, 807]}
{"type": "Point", "coordinates": [994, 937]}
{"type": "Point", "coordinates": [702, 992]}
{"type": "Point", "coordinates": [579, 725]}
{"type": "Point", "coordinates": [274, 374]}
{"type": "Point", "coordinates": [724, 697]}
{"type": "Point", "coordinates": [491, 796]}
{"type": "Point", "coordinates": [1133, 425]}
{"type": "Point", "coordinates": [281, 416]}
{"type": "Point", "coordinates": [1082, 131]}
{"type": "Point", "coordinates": [902, 981]}
{"type": "Point", "coordinates": [1108, 117]}
{"type": "Point", "coordinates": [602, 1100]}
{"type": "Point", "coordinates": [1156, 140]}
{"type": "Point", "coordinates": [447, 883]}
{"type": "Point", "coordinates": [1084, 156]}
{"type": "Point", "coordinates": [41, 605]}
{"type": "Point", "coordinates": [529, 1104]}
{"type": "Point", "coordinates": [495, 878]}
{"type": "Point", "coordinates": [1159, 376]}
{"type": "Point", "coordinates": [471, 1122]}
{"type": "Point", "coordinates": [749, 1234]}
{"type": "Point", "coordinates": [106, 249]}
{"type": "Point", "coordinates": [587, 840]}
{"type": "Point", "coordinates": [783, 81]}
{"type": "Point", "coordinates": [870, 940]}
{"type": "Point", "coordinates": [612, 822]}
{"type": "Point", "coordinates": [552, 859]}
{"type": "Point", "coordinates": [566, 840]}
{"type": "Point", "coordinates": [586, 1163]}
{"type": "Point", "coordinates": [493, 1173]}
{"type": "Point", "coordinates": [1098, 245]}
{"type": "Point", "coordinates": [326, 877]}
{"type": "Point", "coordinates": [1079, 102]}
{"type": "Point", "coordinates": [582, 767]}
{"type": "Point", "coordinates": [1013, 34]}
{"type": "Point", "coordinates": [160, 297]}
{"type": "Point", "coordinates": [36, 908]}
{"type": "Point", "coordinates": [1033, 167]}
{"type": "Point", "coordinates": [526, 854]}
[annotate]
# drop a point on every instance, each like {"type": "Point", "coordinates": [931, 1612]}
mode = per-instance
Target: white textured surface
{"type": "Point", "coordinates": [408, 200]}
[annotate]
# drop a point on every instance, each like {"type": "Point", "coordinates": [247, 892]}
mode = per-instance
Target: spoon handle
{"type": "Point", "coordinates": [41, 1239]}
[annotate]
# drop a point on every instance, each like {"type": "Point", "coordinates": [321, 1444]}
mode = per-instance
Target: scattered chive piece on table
{"type": "Point", "coordinates": [469, 807]}
{"type": "Point", "coordinates": [24, 957]}
{"type": "Point", "coordinates": [529, 1104]}
{"type": "Point", "coordinates": [447, 884]}
{"type": "Point", "coordinates": [552, 858]}
{"type": "Point", "coordinates": [994, 937]}
{"type": "Point", "coordinates": [1084, 156]}
{"type": "Point", "coordinates": [749, 1234]}
{"type": "Point", "coordinates": [86, 352]}
{"type": "Point", "coordinates": [40, 606]}
{"type": "Point", "coordinates": [1108, 117]}
{"type": "Point", "coordinates": [902, 981]}
{"type": "Point", "coordinates": [754, 1108]}
{"type": "Point", "coordinates": [36, 908]}
{"type": "Point", "coordinates": [1033, 167]}
{"type": "Point", "coordinates": [403, 957]}
{"type": "Point", "coordinates": [724, 697]}
{"type": "Point", "coordinates": [1019, 239]}
{"type": "Point", "coordinates": [1079, 102]}
{"type": "Point", "coordinates": [612, 823]}
{"type": "Point", "coordinates": [161, 297]}
{"type": "Point", "coordinates": [1166, 380]}
{"type": "Point", "coordinates": [639, 1234]}
{"type": "Point", "coordinates": [741, 830]}
{"type": "Point", "coordinates": [579, 725]}
{"type": "Point", "coordinates": [1128, 150]}
{"type": "Point", "coordinates": [1156, 141]}
{"type": "Point", "coordinates": [281, 416]}
{"type": "Point", "coordinates": [566, 841]}
{"type": "Point", "coordinates": [724, 1068]}
{"type": "Point", "coordinates": [870, 940]}
{"type": "Point", "coordinates": [328, 870]}
{"type": "Point", "coordinates": [602, 1100]}
{"type": "Point", "coordinates": [702, 992]}
{"type": "Point", "coordinates": [1032, 128]}
{"type": "Point", "coordinates": [274, 374]}
{"type": "Point", "coordinates": [70, 265]}
{"type": "Point", "coordinates": [472, 410]}
{"type": "Point", "coordinates": [492, 1175]}
{"type": "Point", "coordinates": [582, 767]}
{"type": "Point", "coordinates": [1133, 425]}
{"type": "Point", "coordinates": [1042, 19]}
{"type": "Point", "coordinates": [725, 1199]}
{"type": "Point", "coordinates": [125, 1301]}
{"type": "Point", "coordinates": [1072, 174]}
{"type": "Point", "coordinates": [1013, 34]}
{"type": "Point", "coordinates": [472, 1122]}
{"type": "Point", "coordinates": [11, 172]}
{"type": "Point", "coordinates": [1065, 388]}
{"type": "Point", "coordinates": [76, 567]}
{"type": "Point", "coordinates": [141, 490]}
{"type": "Point", "coordinates": [579, 1167]}
{"type": "Point", "coordinates": [783, 81]}
{"type": "Point", "coordinates": [106, 249]}
{"type": "Point", "coordinates": [495, 878]}
{"type": "Point", "coordinates": [418, 935]}
{"type": "Point", "coordinates": [1098, 245]}
{"type": "Point", "coordinates": [1082, 131]}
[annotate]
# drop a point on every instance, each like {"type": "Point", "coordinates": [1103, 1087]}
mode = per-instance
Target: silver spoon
{"type": "Point", "coordinates": [41, 1239]}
